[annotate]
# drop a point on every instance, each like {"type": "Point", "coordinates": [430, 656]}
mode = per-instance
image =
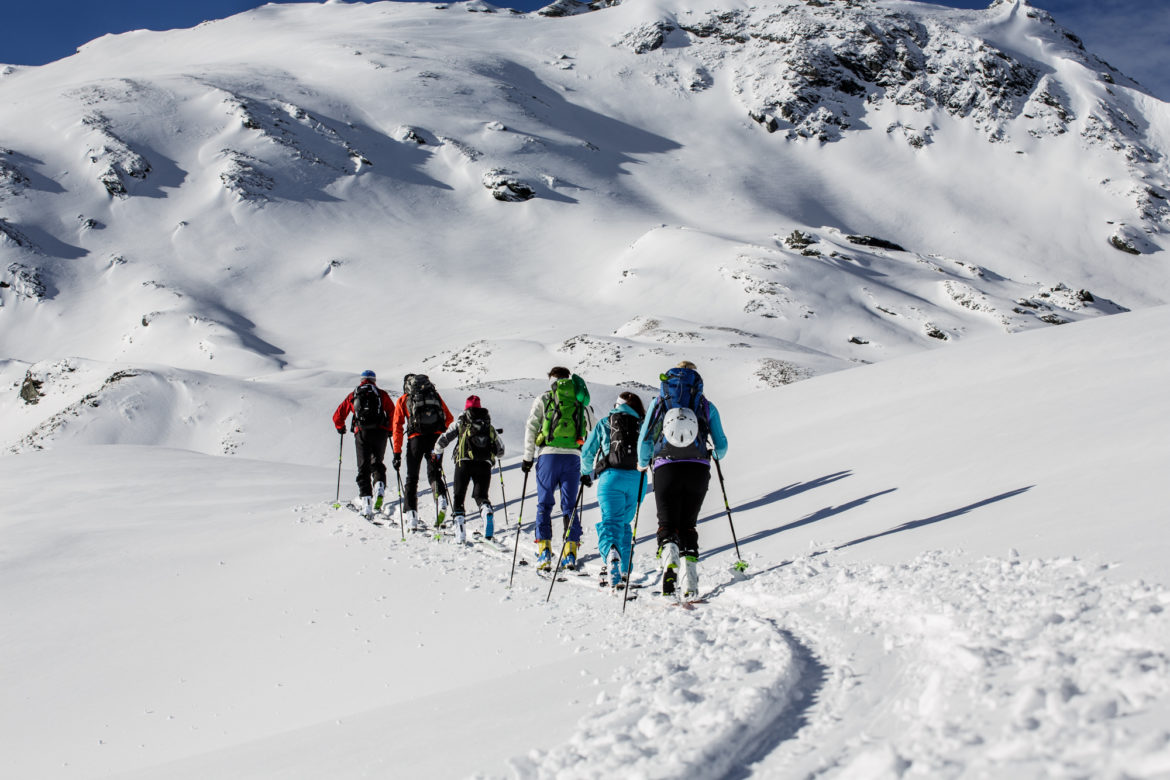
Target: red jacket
{"type": "Point", "coordinates": [346, 409]}
{"type": "Point", "coordinates": [401, 414]}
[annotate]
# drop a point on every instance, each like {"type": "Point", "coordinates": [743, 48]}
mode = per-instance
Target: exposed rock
{"type": "Point", "coordinates": [296, 130]}
{"type": "Point", "coordinates": [468, 152]}
{"type": "Point", "coordinates": [560, 8]}
{"type": "Point", "coordinates": [506, 187]}
{"type": "Point", "coordinates": [408, 134]}
{"type": "Point", "coordinates": [1126, 240]}
{"type": "Point", "coordinates": [243, 178]}
{"type": "Point", "coordinates": [914, 137]}
{"type": "Point", "coordinates": [817, 67]}
{"type": "Point", "coordinates": [726, 26]}
{"type": "Point", "coordinates": [798, 240]}
{"type": "Point", "coordinates": [646, 37]}
{"type": "Point", "coordinates": [774, 373]}
{"type": "Point", "coordinates": [30, 389]}
{"type": "Point", "coordinates": [113, 158]}
{"type": "Point", "coordinates": [13, 237]}
{"type": "Point", "coordinates": [934, 332]}
{"type": "Point", "coordinates": [767, 121]}
{"type": "Point", "coordinates": [879, 243]}
{"type": "Point", "coordinates": [12, 179]}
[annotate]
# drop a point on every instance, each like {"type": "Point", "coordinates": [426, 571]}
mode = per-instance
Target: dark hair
{"type": "Point", "coordinates": [634, 402]}
{"type": "Point", "coordinates": [559, 372]}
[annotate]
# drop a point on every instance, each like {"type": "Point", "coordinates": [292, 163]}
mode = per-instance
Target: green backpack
{"type": "Point", "coordinates": [564, 414]}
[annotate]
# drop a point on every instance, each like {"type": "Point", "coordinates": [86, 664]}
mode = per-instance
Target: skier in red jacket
{"type": "Point", "coordinates": [373, 419]}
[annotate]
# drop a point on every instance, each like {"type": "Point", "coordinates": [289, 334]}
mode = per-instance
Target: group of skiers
{"type": "Point", "coordinates": [674, 439]}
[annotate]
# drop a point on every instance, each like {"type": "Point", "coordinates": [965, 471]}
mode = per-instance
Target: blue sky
{"type": "Point", "coordinates": [1132, 35]}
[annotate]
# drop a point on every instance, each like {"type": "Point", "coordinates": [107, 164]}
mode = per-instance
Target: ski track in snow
{"type": "Point", "coordinates": [937, 667]}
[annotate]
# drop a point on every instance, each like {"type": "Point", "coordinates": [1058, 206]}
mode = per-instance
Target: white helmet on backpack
{"type": "Point", "coordinates": [680, 426]}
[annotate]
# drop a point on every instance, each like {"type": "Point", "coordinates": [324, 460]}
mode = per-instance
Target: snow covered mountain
{"type": "Point", "coordinates": [957, 555]}
{"type": "Point", "coordinates": [289, 188]}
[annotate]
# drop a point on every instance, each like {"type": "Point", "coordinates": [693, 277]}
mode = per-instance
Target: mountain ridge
{"type": "Point", "coordinates": [237, 197]}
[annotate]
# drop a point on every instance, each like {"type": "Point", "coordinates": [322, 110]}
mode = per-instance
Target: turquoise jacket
{"type": "Point", "coordinates": [598, 441]}
{"type": "Point", "coordinates": [646, 443]}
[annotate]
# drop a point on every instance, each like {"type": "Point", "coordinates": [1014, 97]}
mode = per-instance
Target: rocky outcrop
{"type": "Point", "coordinates": [27, 282]}
{"type": "Point", "coordinates": [242, 177]}
{"type": "Point", "coordinates": [504, 185]}
{"type": "Point", "coordinates": [112, 158]}
{"type": "Point", "coordinates": [813, 69]}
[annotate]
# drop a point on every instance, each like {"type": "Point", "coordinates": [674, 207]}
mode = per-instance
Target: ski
{"type": "Point", "coordinates": [675, 601]}
{"type": "Point", "coordinates": [375, 519]}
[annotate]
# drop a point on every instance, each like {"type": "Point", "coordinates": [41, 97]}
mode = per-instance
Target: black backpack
{"type": "Point", "coordinates": [367, 407]}
{"type": "Point", "coordinates": [623, 441]}
{"type": "Point", "coordinates": [477, 437]}
{"type": "Point", "coordinates": [424, 407]}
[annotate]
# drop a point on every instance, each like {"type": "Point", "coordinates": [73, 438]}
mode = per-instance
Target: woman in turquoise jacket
{"type": "Point", "coordinates": [611, 451]}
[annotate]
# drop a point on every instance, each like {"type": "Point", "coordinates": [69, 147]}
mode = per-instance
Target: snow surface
{"type": "Point", "coordinates": [956, 546]}
{"type": "Point", "coordinates": [956, 569]}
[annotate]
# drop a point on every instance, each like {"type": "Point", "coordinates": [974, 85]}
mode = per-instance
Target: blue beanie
{"type": "Point", "coordinates": [368, 374]}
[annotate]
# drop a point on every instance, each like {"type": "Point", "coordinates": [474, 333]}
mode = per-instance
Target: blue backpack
{"type": "Point", "coordinates": [681, 387]}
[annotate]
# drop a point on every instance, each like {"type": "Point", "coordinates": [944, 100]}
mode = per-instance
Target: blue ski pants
{"type": "Point", "coordinates": [557, 471]}
{"type": "Point", "coordinates": [617, 493]}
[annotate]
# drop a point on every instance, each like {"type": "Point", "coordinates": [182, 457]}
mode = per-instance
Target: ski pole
{"type": "Point", "coordinates": [633, 541]}
{"type": "Point", "coordinates": [340, 455]}
{"type": "Point", "coordinates": [500, 471]}
{"type": "Point", "coordinates": [740, 563]}
{"type": "Point", "coordinates": [519, 528]}
{"type": "Point", "coordinates": [565, 542]}
{"type": "Point", "coordinates": [401, 518]}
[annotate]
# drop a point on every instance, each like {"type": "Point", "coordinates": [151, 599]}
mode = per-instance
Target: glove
{"type": "Point", "coordinates": [341, 431]}
{"type": "Point", "coordinates": [586, 480]}
{"type": "Point", "coordinates": [526, 466]}
{"type": "Point", "coordinates": [397, 461]}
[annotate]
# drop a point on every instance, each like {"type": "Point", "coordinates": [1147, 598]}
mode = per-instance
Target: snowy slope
{"type": "Point", "coordinates": [942, 583]}
{"type": "Point", "coordinates": [956, 553]}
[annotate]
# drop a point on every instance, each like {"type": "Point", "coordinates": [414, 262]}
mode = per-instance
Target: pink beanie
{"type": "Point", "coordinates": [472, 402]}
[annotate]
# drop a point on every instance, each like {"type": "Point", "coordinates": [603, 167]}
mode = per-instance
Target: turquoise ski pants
{"type": "Point", "coordinates": [617, 494]}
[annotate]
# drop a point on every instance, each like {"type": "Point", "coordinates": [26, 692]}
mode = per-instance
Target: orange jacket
{"type": "Point", "coordinates": [400, 415]}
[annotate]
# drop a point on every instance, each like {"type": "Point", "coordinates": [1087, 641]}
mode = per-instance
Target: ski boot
{"type": "Point", "coordinates": [614, 562]}
{"type": "Point", "coordinates": [413, 521]}
{"type": "Point", "coordinates": [367, 508]}
{"type": "Point", "coordinates": [441, 512]}
{"type": "Point", "coordinates": [690, 576]}
{"type": "Point", "coordinates": [379, 495]}
{"type": "Point", "coordinates": [489, 526]}
{"type": "Point", "coordinates": [543, 555]}
{"type": "Point", "coordinates": [460, 531]}
{"type": "Point", "coordinates": [669, 556]}
{"type": "Point", "coordinates": [569, 561]}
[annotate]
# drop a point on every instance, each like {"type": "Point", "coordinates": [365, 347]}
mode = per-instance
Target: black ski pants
{"type": "Point", "coordinates": [478, 474]}
{"type": "Point", "coordinates": [679, 490]}
{"type": "Point", "coordinates": [418, 447]}
{"type": "Point", "coordinates": [371, 450]}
